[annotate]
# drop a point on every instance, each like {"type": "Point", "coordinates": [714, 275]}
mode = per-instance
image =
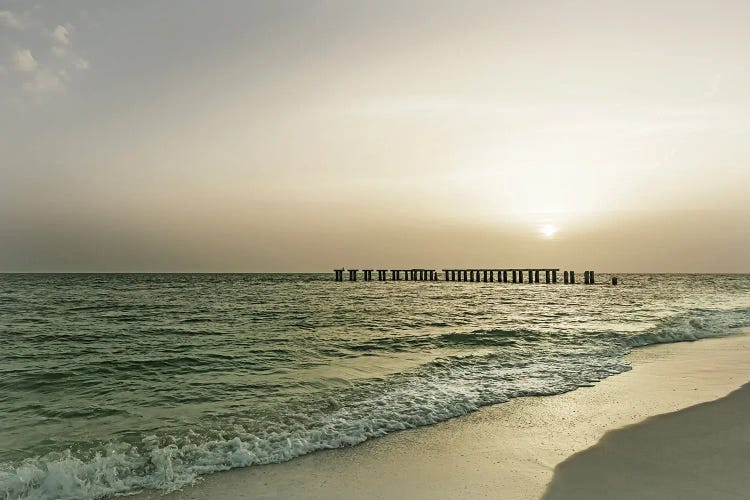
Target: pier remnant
{"type": "Point", "coordinates": [486, 275]}
{"type": "Point", "coordinates": [614, 280]}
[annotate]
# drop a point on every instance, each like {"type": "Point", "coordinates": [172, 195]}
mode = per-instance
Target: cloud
{"type": "Point", "coordinates": [61, 35]}
{"type": "Point", "coordinates": [24, 61]}
{"type": "Point", "coordinates": [45, 71]}
{"type": "Point", "coordinates": [714, 86]}
{"type": "Point", "coordinates": [81, 63]}
{"type": "Point", "coordinates": [10, 20]}
{"type": "Point", "coordinates": [44, 83]}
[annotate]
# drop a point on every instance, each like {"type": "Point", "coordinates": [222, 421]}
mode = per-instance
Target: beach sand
{"type": "Point", "coordinates": [511, 450]}
{"type": "Point", "coordinates": [699, 452]}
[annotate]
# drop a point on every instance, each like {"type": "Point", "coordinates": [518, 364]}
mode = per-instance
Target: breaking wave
{"type": "Point", "coordinates": [437, 390]}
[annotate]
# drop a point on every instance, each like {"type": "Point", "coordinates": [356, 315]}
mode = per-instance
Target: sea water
{"type": "Point", "coordinates": [114, 383]}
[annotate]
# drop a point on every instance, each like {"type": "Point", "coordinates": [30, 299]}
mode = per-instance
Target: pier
{"type": "Point", "coordinates": [481, 275]}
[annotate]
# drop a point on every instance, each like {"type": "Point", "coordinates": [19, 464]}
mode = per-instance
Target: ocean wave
{"type": "Point", "coordinates": [441, 389]}
{"type": "Point", "coordinates": [694, 325]}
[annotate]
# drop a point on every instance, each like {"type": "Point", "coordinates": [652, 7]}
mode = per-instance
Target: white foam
{"type": "Point", "coordinates": [438, 391]}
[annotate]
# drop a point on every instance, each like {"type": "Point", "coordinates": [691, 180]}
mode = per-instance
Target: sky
{"type": "Point", "coordinates": [272, 136]}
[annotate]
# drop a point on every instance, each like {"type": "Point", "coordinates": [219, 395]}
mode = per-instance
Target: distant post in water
{"type": "Point", "coordinates": [591, 277]}
{"type": "Point", "coordinates": [546, 277]}
{"type": "Point", "coordinates": [572, 277]}
{"type": "Point", "coordinates": [531, 276]}
{"type": "Point", "coordinates": [492, 276]}
{"type": "Point", "coordinates": [536, 276]}
{"type": "Point", "coordinates": [565, 277]}
{"type": "Point", "coordinates": [586, 278]}
{"type": "Point", "coordinates": [614, 280]}
{"type": "Point", "coordinates": [505, 276]}
{"type": "Point", "coordinates": [339, 274]}
{"type": "Point", "coordinates": [352, 274]}
{"type": "Point", "coordinates": [554, 276]}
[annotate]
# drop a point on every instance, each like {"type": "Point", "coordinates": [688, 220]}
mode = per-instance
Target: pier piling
{"type": "Point", "coordinates": [467, 275]}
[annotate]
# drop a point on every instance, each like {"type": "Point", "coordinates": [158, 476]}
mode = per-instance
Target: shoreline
{"type": "Point", "coordinates": [509, 450]}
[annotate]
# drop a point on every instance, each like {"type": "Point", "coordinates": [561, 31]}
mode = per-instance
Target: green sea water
{"type": "Point", "coordinates": [114, 383]}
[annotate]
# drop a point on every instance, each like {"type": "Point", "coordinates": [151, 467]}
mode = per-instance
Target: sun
{"type": "Point", "coordinates": [548, 230]}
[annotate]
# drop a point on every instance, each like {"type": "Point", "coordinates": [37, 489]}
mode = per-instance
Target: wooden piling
{"type": "Point", "coordinates": [471, 275]}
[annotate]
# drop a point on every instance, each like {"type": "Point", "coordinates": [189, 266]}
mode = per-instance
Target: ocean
{"type": "Point", "coordinates": [113, 383]}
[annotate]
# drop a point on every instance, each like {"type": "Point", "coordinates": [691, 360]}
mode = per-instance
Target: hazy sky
{"type": "Point", "coordinates": [187, 135]}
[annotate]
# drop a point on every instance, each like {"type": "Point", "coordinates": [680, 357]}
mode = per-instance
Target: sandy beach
{"type": "Point", "coordinates": [516, 449]}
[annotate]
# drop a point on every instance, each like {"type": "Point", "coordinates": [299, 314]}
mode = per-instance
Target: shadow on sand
{"type": "Point", "coordinates": [700, 452]}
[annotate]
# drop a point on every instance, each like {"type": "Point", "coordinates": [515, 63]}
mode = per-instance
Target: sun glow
{"type": "Point", "coordinates": [548, 230]}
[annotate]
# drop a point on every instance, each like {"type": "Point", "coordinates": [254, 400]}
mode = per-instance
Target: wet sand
{"type": "Point", "coordinates": [511, 450]}
{"type": "Point", "coordinates": [696, 453]}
